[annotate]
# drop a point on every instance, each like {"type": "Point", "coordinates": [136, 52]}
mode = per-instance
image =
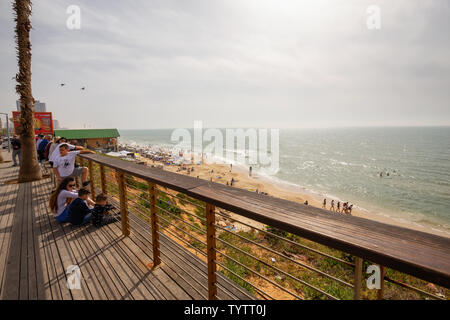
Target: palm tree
{"type": "Point", "coordinates": [29, 166]}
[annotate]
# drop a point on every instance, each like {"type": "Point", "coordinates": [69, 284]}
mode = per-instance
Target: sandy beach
{"type": "Point", "coordinates": [223, 173]}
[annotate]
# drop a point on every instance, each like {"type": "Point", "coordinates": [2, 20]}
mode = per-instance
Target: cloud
{"type": "Point", "coordinates": [151, 64]}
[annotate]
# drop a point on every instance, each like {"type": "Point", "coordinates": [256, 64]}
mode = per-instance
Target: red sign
{"type": "Point", "coordinates": [43, 122]}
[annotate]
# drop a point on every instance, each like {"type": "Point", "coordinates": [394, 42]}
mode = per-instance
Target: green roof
{"type": "Point", "coordinates": [87, 133]}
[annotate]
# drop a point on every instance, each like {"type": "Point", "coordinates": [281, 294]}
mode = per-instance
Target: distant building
{"type": "Point", "coordinates": [91, 138]}
{"type": "Point", "coordinates": [38, 106]}
{"type": "Point", "coordinates": [55, 124]}
{"type": "Point", "coordinates": [4, 125]}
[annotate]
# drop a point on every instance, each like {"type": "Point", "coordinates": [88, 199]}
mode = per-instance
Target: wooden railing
{"type": "Point", "coordinates": [340, 245]}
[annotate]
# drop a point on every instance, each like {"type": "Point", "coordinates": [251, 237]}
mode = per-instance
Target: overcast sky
{"type": "Point", "coordinates": [236, 63]}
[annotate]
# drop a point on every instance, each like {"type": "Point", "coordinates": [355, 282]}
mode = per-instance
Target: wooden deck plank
{"type": "Point", "coordinates": [195, 268]}
{"type": "Point", "coordinates": [90, 271]}
{"type": "Point", "coordinates": [50, 292]}
{"type": "Point", "coordinates": [6, 223]}
{"type": "Point", "coordinates": [161, 284]}
{"type": "Point", "coordinates": [92, 288]}
{"type": "Point", "coordinates": [134, 286]}
{"type": "Point", "coordinates": [66, 255]}
{"type": "Point", "coordinates": [113, 284]}
{"type": "Point", "coordinates": [4, 234]}
{"type": "Point", "coordinates": [117, 267]}
{"type": "Point", "coordinates": [180, 279]}
{"type": "Point", "coordinates": [186, 278]}
{"type": "Point", "coordinates": [141, 270]}
{"type": "Point", "coordinates": [13, 265]}
{"type": "Point", "coordinates": [26, 212]}
{"type": "Point", "coordinates": [33, 259]}
{"type": "Point", "coordinates": [39, 253]}
{"type": "Point", "coordinates": [53, 285]}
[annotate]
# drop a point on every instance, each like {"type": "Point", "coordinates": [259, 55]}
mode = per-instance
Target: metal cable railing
{"type": "Point", "coordinates": [166, 211]}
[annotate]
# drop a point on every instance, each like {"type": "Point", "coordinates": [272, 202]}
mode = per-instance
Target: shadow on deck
{"type": "Point", "coordinates": [36, 252]}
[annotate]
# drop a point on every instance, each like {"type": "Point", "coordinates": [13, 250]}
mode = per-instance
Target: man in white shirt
{"type": "Point", "coordinates": [64, 164]}
{"type": "Point", "coordinates": [55, 152]}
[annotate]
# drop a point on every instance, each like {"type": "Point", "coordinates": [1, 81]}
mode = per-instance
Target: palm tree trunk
{"type": "Point", "coordinates": [29, 166]}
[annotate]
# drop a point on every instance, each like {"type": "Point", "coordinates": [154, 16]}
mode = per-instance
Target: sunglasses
{"type": "Point", "coordinates": [71, 185]}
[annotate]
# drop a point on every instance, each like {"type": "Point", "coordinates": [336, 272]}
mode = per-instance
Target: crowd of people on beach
{"type": "Point", "coordinates": [336, 206]}
{"type": "Point", "coordinates": [346, 207]}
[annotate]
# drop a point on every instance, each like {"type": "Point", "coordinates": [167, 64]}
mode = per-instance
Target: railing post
{"type": "Point", "coordinates": [357, 278]}
{"type": "Point", "coordinates": [211, 248]}
{"type": "Point", "coordinates": [91, 178]}
{"type": "Point", "coordinates": [123, 203]}
{"type": "Point", "coordinates": [77, 182]}
{"type": "Point", "coordinates": [154, 221]}
{"type": "Point", "coordinates": [380, 295]}
{"type": "Point", "coordinates": [103, 179]}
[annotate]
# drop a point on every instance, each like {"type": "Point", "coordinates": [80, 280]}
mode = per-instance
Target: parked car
{"type": "Point", "coordinates": [4, 142]}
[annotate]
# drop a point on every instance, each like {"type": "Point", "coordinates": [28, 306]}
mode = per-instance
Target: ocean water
{"type": "Point", "coordinates": [345, 164]}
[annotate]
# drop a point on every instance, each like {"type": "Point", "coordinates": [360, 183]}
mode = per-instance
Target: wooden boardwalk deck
{"type": "Point", "coordinates": [36, 250]}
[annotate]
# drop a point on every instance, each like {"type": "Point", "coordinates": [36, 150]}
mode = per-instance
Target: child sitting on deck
{"type": "Point", "coordinates": [100, 215]}
{"type": "Point", "coordinates": [79, 211]}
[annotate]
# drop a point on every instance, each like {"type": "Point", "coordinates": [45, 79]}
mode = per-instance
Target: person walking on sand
{"type": "Point", "coordinates": [344, 207]}
{"type": "Point", "coordinates": [332, 206]}
{"type": "Point", "coordinates": [338, 207]}
{"type": "Point", "coordinates": [324, 204]}
{"type": "Point", "coordinates": [350, 209]}
{"type": "Point", "coordinates": [250, 171]}
{"type": "Point", "coordinates": [306, 202]}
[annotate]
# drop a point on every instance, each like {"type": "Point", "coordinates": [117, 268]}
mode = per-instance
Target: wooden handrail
{"type": "Point", "coordinates": [211, 250]}
{"type": "Point", "coordinates": [91, 176]}
{"type": "Point", "coordinates": [419, 254]}
{"type": "Point", "coordinates": [123, 203]}
{"type": "Point", "coordinates": [103, 179]}
{"type": "Point", "coordinates": [154, 221]}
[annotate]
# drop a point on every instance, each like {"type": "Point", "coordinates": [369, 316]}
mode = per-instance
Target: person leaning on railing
{"type": "Point", "coordinates": [64, 164]}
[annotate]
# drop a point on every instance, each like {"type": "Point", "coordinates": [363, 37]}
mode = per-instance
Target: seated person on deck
{"type": "Point", "coordinates": [100, 215]}
{"type": "Point", "coordinates": [61, 197]}
{"type": "Point", "coordinates": [79, 211]}
{"type": "Point", "coordinates": [64, 164]}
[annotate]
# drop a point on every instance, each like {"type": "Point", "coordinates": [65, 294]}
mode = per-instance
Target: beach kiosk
{"type": "Point", "coordinates": [104, 139]}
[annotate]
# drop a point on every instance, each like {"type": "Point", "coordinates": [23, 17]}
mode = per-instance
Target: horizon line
{"type": "Point", "coordinates": [262, 127]}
